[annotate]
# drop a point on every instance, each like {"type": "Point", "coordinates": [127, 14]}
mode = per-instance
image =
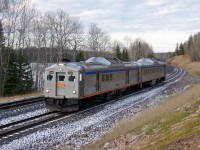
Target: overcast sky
{"type": "Point", "coordinates": [161, 23]}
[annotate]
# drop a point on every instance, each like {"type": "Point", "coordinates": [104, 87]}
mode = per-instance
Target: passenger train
{"type": "Point", "coordinates": [69, 86]}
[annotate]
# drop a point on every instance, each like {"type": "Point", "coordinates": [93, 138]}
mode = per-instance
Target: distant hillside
{"type": "Point", "coordinates": [184, 61]}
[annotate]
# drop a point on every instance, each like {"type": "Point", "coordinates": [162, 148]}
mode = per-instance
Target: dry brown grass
{"type": "Point", "coordinates": [129, 125]}
{"type": "Point", "coordinates": [18, 97]}
{"type": "Point", "coordinates": [184, 61]}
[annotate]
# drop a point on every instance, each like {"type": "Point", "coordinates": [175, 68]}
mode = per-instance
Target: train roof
{"type": "Point", "coordinates": [96, 63]}
{"type": "Point", "coordinates": [147, 61]}
{"type": "Point", "coordinates": [104, 61]}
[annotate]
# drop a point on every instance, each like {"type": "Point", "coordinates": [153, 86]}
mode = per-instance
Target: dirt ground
{"type": "Point", "coordinates": [19, 97]}
{"type": "Point", "coordinates": [192, 143]}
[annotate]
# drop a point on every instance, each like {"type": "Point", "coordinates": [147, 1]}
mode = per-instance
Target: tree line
{"type": "Point", "coordinates": [190, 47]}
{"type": "Point", "coordinates": [34, 37]}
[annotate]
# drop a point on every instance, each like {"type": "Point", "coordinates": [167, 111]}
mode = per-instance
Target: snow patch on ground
{"type": "Point", "coordinates": [22, 113]}
{"type": "Point", "coordinates": [23, 116]}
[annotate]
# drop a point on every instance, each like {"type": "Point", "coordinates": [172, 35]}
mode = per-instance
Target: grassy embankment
{"type": "Point", "coordinates": [176, 119]}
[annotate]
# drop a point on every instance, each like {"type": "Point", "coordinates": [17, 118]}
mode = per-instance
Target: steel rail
{"type": "Point", "coordinates": [27, 123]}
{"type": "Point", "coordinates": [18, 103]}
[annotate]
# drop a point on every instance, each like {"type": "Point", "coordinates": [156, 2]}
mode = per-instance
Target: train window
{"type": "Point", "coordinates": [107, 77]}
{"type": "Point", "coordinates": [61, 78]}
{"type": "Point", "coordinates": [111, 77]}
{"type": "Point", "coordinates": [71, 78]}
{"type": "Point", "coordinates": [103, 77]}
{"type": "Point", "coordinates": [136, 73]}
{"type": "Point", "coordinates": [49, 77]}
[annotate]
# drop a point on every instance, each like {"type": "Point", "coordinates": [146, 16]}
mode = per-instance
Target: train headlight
{"type": "Point", "coordinates": [47, 90]}
{"type": "Point", "coordinates": [60, 69]}
{"type": "Point", "coordinates": [60, 64]}
{"type": "Point", "coordinates": [73, 92]}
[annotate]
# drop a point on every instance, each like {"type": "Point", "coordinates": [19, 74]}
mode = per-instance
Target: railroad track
{"type": "Point", "coordinates": [9, 105]}
{"type": "Point", "coordinates": [14, 128]}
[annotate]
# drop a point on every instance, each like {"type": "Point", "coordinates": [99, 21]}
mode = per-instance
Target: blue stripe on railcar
{"type": "Point", "coordinates": [133, 68]}
{"type": "Point", "coordinates": [112, 71]}
{"type": "Point", "coordinates": [108, 71]}
{"type": "Point", "coordinates": [152, 67]}
{"type": "Point", "coordinates": [90, 73]}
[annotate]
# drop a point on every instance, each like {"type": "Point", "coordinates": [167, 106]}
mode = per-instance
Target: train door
{"type": "Point", "coordinates": [60, 83]}
{"type": "Point", "coordinates": [81, 84]}
{"type": "Point", "coordinates": [97, 81]}
{"type": "Point", "coordinates": [127, 77]}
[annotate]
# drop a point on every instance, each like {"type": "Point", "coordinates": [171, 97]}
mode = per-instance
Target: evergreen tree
{"type": "Point", "coordinates": [24, 75]}
{"type": "Point", "coordinates": [181, 49]}
{"type": "Point", "coordinates": [190, 48]}
{"type": "Point", "coordinates": [124, 55]}
{"type": "Point", "coordinates": [2, 49]}
{"type": "Point", "coordinates": [177, 50]}
{"type": "Point", "coordinates": [151, 55]}
{"type": "Point", "coordinates": [79, 56]}
{"type": "Point", "coordinates": [19, 75]}
{"type": "Point", "coordinates": [11, 81]}
{"type": "Point", "coordinates": [117, 52]}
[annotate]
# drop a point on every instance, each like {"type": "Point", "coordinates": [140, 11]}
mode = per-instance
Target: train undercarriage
{"type": "Point", "coordinates": [69, 105]}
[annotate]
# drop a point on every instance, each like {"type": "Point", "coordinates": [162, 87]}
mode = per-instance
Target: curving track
{"type": "Point", "coordinates": [91, 122]}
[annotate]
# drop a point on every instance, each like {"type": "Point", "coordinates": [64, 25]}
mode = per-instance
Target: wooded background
{"type": "Point", "coordinates": [37, 39]}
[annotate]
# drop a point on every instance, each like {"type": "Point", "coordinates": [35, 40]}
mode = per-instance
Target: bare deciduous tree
{"type": "Point", "coordinates": [139, 49]}
{"type": "Point", "coordinates": [97, 40]}
{"type": "Point", "coordinates": [77, 36]}
{"type": "Point", "coordinates": [192, 47]}
{"type": "Point", "coordinates": [27, 13]}
{"type": "Point", "coordinates": [61, 26]}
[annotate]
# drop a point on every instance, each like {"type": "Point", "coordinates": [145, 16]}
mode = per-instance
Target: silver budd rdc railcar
{"type": "Point", "coordinates": [71, 85]}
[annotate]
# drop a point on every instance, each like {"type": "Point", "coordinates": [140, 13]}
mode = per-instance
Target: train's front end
{"type": "Point", "coordinates": [61, 87]}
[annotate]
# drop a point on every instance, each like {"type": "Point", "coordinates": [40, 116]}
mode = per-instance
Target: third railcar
{"type": "Point", "coordinates": [71, 85]}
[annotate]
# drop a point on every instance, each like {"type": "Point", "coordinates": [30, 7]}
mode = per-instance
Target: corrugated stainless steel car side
{"type": "Point", "coordinates": [74, 84]}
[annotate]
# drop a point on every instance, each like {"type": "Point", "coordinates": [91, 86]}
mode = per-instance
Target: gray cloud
{"type": "Point", "coordinates": [132, 16]}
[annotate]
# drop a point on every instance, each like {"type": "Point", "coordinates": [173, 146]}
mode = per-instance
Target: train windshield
{"type": "Point", "coordinates": [49, 77]}
{"type": "Point", "coordinates": [71, 78]}
{"type": "Point", "coordinates": [61, 78]}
